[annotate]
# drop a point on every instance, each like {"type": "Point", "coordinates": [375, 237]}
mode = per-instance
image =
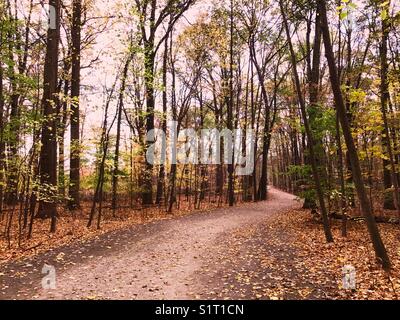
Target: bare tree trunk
{"type": "Point", "coordinates": [14, 43]}
{"type": "Point", "coordinates": [342, 198]}
{"type": "Point", "coordinates": [118, 139]}
{"type": "Point", "coordinates": [349, 114]}
{"type": "Point", "coordinates": [147, 195]}
{"type": "Point", "coordinates": [2, 144]}
{"type": "Point", "coordinates": [74, 186]}
{"type": "Point", "coordinates": [173, 172]}
{"type": "Point", "coordinates": [48, 153]}
{"type": "Point", "coordinates": [161, 173]}
{"type": "Point", "coordinates": [104, 143]}
{"type": "Point", "coordinates": [231, 165]}
{"type": "Point", "coordinates": [62, 124]}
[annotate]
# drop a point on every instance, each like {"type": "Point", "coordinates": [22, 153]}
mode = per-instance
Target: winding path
{"type": "Point", "coordinates": [161, 260]}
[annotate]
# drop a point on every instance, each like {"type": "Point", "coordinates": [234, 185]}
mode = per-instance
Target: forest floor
{"type": "Point", "coordinates": [268, 250]}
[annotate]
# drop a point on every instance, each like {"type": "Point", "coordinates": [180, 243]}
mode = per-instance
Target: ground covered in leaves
{"type": "Point", "coordinates": [267, 250]}
{"type": "Point", "coordinates": [288, 258]}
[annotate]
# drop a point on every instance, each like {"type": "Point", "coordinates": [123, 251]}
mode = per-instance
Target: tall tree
{"type": "Point", "coordinates": [120, 109]}
{"type": "Point", "coordinates": [2, 142]}
{"type": "Point", "coordinates": [48, 152]}
{"type": "Point", "coordinates": [231, 166]}
{"type": "Point", "coordinates": [74, 184]}
{"type": "Point", "coordinates": [161, 172]}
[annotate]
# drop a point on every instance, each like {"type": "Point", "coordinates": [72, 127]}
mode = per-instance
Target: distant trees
{"type": "Point", "coordinates": [151, 18]}
{"type": "Point", "coordinates": [366, 208]}
{"type": "Point", "coordinates": [306, 121]}
{"type": "Point", "coordinates": [385, 101]}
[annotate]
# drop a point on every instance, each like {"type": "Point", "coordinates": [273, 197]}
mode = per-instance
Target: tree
{"type": "Point", "coordinates": [48, 152]}
{"type": "Point", "coordinates": [2, 144]}
{"type": "Point", "coordinates": [264, 43]}
{"type": "Point", "coordinates": [231, 166]}
{"type": "Point", "coordinates": [161, 173]}
{"type": "Point", "coordinates": [120, 109]}
{"type": "Point", "coordinates": [74, 183]}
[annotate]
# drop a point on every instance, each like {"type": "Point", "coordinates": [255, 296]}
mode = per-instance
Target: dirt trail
{"type": "Point", "coordinates": [161, 260]}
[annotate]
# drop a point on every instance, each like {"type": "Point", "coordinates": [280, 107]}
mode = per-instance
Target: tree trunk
{"type": "Point", "coordinates": [62, 124]}
{"type": "Point", "coordinates": [147, 194]}
{"type": "Point", "coordinates": [161, 173]}
{"type": "Point", "coordinates": [118, 139]}
{"type": "Point", "coordinates": [48, 153]}
{"type": "Point", "coordinates": [14, 123]}
{"type": "Point", "coordinates": [231, 165]}
{"type": "Point", "coordinates": [74, 186]}
{"type": "Point", "coordinates": [2, 144]}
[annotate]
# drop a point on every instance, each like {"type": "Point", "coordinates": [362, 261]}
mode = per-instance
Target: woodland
{"type": "Point", "coordinates": [83, 83]}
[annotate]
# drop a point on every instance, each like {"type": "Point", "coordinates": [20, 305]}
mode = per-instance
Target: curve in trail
{"type": "Point", "coordinates": [154, 261]}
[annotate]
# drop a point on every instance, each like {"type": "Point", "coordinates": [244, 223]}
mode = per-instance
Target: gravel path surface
{"type": "Point", "coordinates": [161, 260]}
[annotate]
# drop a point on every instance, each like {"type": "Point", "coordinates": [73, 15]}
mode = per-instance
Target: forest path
{"type": "Point", "coordinates": [184, 258]}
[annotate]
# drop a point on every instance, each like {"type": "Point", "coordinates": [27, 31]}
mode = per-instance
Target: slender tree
{"type": "Point", "coordinates": [231, 166]}
{"type": "Point", "coordinates": [120, 109]}
{"type": "Point", "coordinates": [74, 184]}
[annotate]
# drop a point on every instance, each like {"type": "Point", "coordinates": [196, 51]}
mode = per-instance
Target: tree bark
{"type": "Point", "coordinates": [74, 185]}
{"type": "Point", "coordinates": [118, 139]}
{"type": "Point", "coordinates": [2, 144]}
{"type": "Point", "coordinates": [147, 194]}
{"type": "Point", "coordinates": [231, 165]}
{"type": "Point", "coordinates": [48, 153]}
{"type": "Point", "coordinates": [161, 173]}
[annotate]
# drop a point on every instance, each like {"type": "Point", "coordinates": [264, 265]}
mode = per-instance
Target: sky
{"type": "Point", "coordinates": [112, 45]}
